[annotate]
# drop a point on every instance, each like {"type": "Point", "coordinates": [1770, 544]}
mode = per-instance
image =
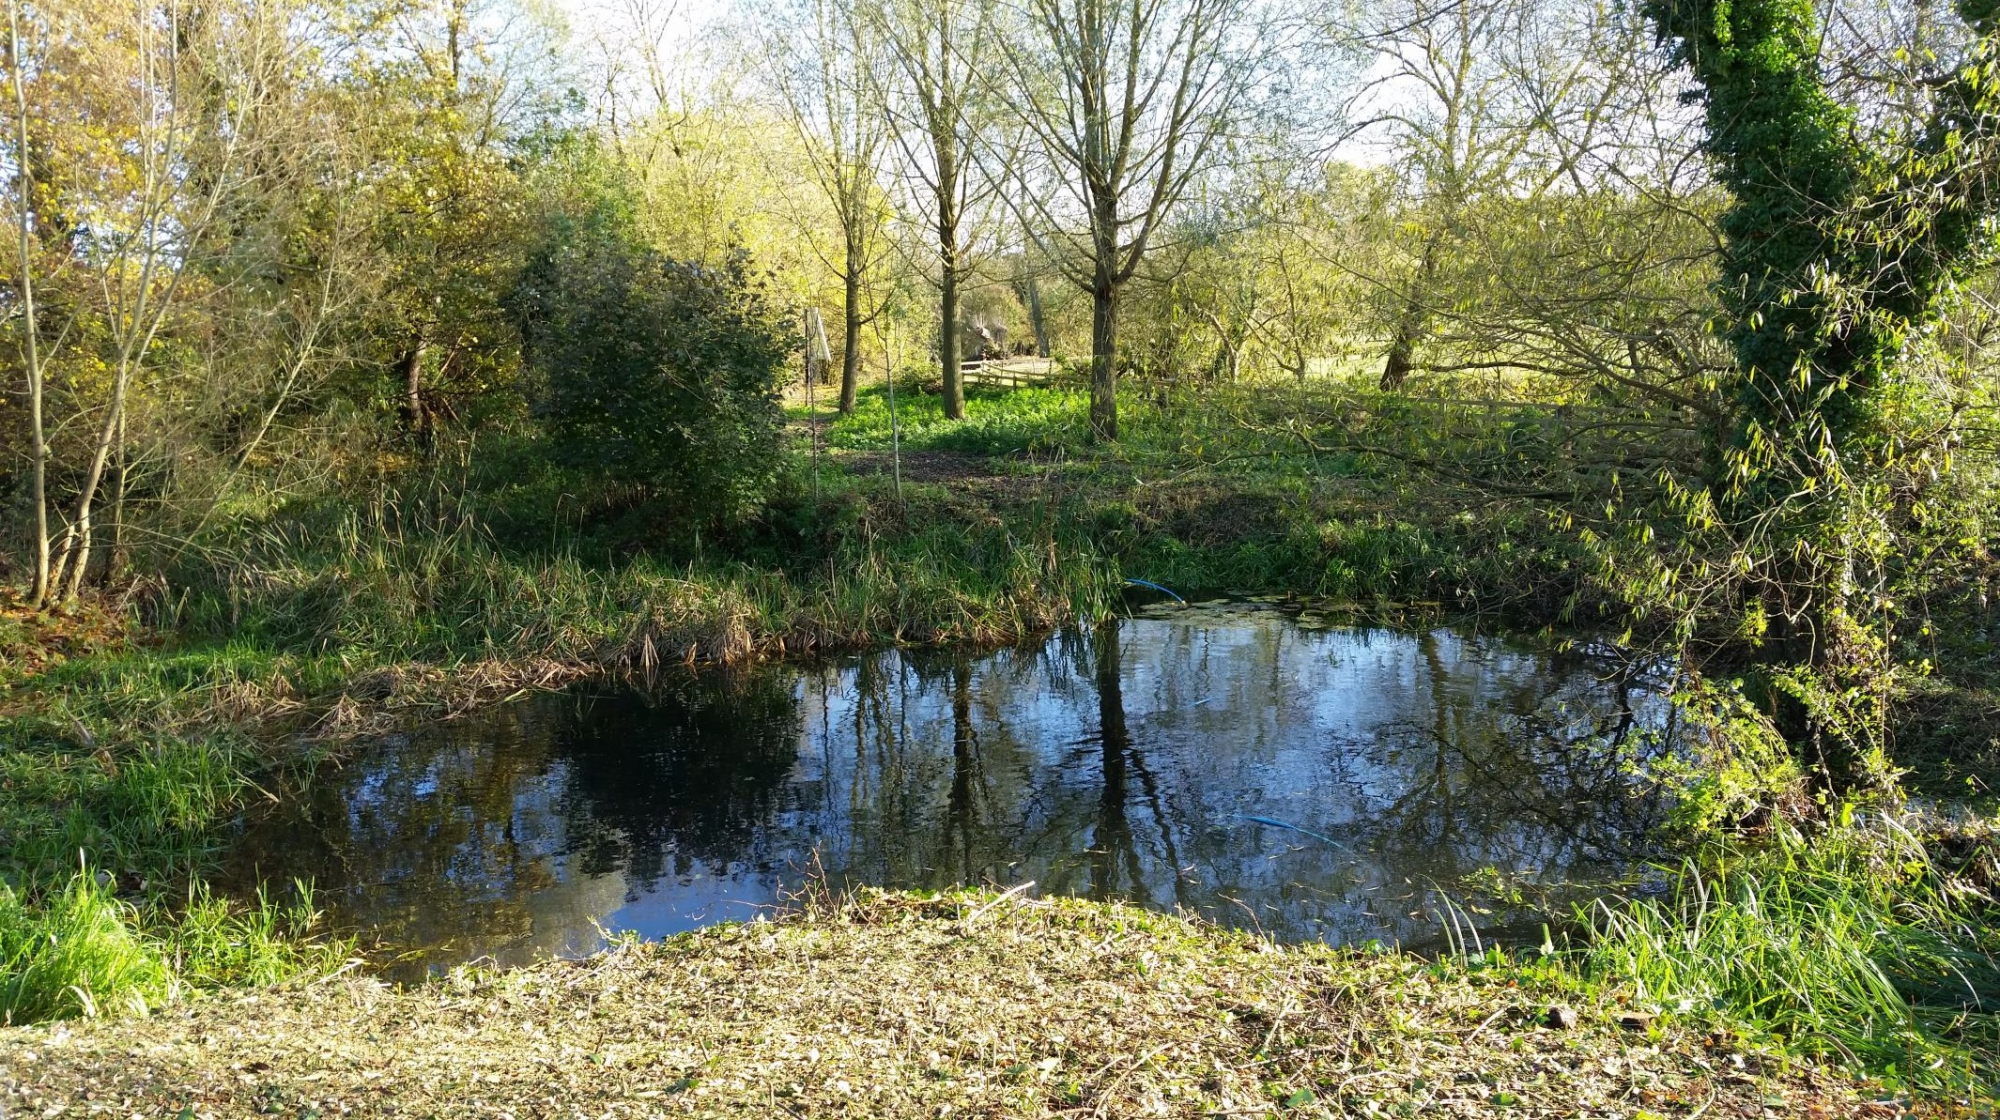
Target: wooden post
{"type": "Point", "coordinates": [812, 412]}
{"type": "Point", "coordinates": [895, 430]}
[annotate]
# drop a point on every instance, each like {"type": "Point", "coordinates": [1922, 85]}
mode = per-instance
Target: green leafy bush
{"type": "Point", "coordinates": [654, 372]}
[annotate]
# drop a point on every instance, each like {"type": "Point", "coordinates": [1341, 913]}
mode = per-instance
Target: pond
{"type": "Point", "coordinates": [1266, 770]}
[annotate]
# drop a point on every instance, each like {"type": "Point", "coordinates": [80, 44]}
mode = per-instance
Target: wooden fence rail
{"type": "Point", "coordinates": [1012, 373]}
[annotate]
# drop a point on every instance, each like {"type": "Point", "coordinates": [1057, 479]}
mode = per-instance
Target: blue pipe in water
{"type": "Point", "coordinates": [1157, 587]}
{"type": "Point", "coordinates": [1320, 836]}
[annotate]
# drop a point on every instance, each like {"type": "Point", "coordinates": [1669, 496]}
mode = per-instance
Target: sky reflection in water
{"type": "Point", "coordinates": [1311, 782]}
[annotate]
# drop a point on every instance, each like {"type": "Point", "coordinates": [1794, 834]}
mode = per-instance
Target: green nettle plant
{"type": "Point", "coordinates": [1841, 244]}
{"type": "Point", "coordinates": [654, 372]}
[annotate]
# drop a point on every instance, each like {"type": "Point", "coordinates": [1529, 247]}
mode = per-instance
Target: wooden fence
{"type": "Point", "coordinates": [1011, 373]}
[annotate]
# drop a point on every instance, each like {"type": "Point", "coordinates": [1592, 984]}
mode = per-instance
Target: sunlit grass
{"type": "Point", "coordinates": [77, 953]}
{"type": "Point", "coordinates": [80, 950]}
{"type": "Point", "coordinates": [1857, 944]}
{"type": "Point", "coordinates": [997, 421]}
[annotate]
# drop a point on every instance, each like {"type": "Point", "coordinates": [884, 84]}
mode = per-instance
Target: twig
{"type": "Point", "coordinates": [1010, 892]}
{"type": "Point", "coordinates": [1487, 1023]}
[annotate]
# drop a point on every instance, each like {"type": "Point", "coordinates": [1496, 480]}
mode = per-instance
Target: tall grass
{"type": "Point", "coordinates": [1857, 943]}
{"type": "Point", "coordinates": [81, 951]}
{"type": "Point", "coordinates": [425, 582]}
{"type": "Point", "coordinates": [76, 953]}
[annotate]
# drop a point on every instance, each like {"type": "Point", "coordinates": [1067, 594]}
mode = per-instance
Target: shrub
{"type": "Point", "coordinates": [654, 372]}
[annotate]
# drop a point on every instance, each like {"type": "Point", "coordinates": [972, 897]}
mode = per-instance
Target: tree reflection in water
{"type": "Point", "coordinates": [1315, 782]}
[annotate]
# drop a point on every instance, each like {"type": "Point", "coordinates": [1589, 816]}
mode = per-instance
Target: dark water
{"type": "Point", "coordinates": [1314, 782]}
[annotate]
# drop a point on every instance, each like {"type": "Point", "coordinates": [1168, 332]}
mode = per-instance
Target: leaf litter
{"type": "Point", "coordinates": [886, 1004]}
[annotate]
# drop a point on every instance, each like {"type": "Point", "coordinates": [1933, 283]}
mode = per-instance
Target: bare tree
{"type": "Point", "coordinates": [939, 99]}
{"type": "Point", "coordinates": [1128, 103]}
{"type": "Point", "coordinates": [151, 239]}
{"type": "Point", "coordinates": [1456, 128]}
{"type": "Point", "coordinates": [825, 69]}
{"type": "Point", "coordinates": [1490, 103]}
{"type": "Point", "coordinates": [30, 325]}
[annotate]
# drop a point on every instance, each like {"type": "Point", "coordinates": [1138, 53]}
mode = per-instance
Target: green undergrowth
{"type": "Point", "coordinates": [1876, 943]}
{"type": "Point", "coordinates": [470, 581]}
{"type": "Point", "coordinates": [80, 949]}
{"type": "Point", "coordinates": [998, 421]}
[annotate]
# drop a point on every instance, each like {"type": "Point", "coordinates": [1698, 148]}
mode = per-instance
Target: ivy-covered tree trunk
{"type": "Point", "coordinates": [1834, 249]}
{"type": "Point", "coordinates": [1838, 243]}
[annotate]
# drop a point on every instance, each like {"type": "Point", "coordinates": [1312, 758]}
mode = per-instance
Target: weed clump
{"type": "Point", "coordinates": [81, 951]}
{"type": "Point", "coordinates": [1857, 943]}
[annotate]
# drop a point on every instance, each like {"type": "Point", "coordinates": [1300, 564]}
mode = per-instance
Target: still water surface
{"type": "Point", "coordinates": [1311, 781]}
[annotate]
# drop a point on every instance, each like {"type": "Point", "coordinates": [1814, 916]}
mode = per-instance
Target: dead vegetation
{"type": "Point", "coordinates": [893, 1005]}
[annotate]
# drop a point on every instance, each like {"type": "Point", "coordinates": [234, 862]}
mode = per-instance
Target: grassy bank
{"type": "Point", "coordinates": [295, 628]}
{"type": "Point", "coordinates": [128, 737]}
{"type": "Point", "coordinates": [900, 1006]}
{"type": "Point", "coordinates": [1874, 944]}
{"type": "Point", "coordinates": [1293, 490]}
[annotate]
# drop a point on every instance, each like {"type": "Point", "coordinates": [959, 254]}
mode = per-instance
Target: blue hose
{"type": "Point", "coordinates": [1320, 836]}
{"type": "Point", "coordinates": [1158, 588]}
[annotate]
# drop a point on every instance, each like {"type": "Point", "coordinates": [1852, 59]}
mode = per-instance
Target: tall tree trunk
{"type": "Point", "coordinates": [948, 341]}
{"type": "Point", "coordinates": [850, 343]}
{"type": "Point", "coordinates": [75, 559]}
{"type": "Point", "coordinates": [1104, 316]}
{"type": "Point", "coordinates": [1036, 319]}
{"type": "Point", "coordinates": [30, 326]}
{"type": "Point", "coordinates": [411, 369]}
{"type": "Point", "coordinates": [1104, 359]}
{"type": "Point", "coordinates": [949, 345]}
